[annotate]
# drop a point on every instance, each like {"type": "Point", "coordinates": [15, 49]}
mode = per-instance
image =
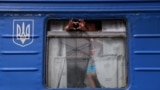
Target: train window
{"type": "Point", "coordinates": [86, 54]}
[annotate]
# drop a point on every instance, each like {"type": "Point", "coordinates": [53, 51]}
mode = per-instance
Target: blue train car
{"type": "Point", "coordinates": [28, 45]}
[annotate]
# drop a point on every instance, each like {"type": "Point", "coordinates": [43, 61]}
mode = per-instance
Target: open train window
{"type": "Point", "coordinates": [86, 54]}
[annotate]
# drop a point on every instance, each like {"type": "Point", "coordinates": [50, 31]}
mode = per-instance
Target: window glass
{"type": "Point", "coordinates": [86, 54]}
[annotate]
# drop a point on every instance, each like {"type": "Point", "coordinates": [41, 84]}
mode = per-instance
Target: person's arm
{"type": "Point", "coordinates": [92, 50]}
{"type": "Point", "coordinates": [69, 25]}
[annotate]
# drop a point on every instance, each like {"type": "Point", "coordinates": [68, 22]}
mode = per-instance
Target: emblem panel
{"type": "Point", "coordinates": [23, 32]}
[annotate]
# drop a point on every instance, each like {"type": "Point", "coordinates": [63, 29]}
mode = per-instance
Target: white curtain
{"type": "Point", "coordinates": [111, 65]}
{"type": "Point", "coordinates": [57, 71]}
{"type": "Point", "coordinates": [57, 68]}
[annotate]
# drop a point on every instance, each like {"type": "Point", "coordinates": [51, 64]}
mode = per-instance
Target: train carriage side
{"type": "Point", "coordinates": [39, 51]}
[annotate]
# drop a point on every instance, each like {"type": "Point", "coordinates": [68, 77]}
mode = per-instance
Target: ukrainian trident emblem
{"type": "Point", "coordinates": [23, 31]}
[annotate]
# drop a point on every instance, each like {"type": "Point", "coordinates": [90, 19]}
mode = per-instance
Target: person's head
{"type": "Point", "coordinates": [93, 25]}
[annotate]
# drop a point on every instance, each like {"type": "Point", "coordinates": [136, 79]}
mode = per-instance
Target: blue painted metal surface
{"type": "Point", "coordinates": [22, 68]}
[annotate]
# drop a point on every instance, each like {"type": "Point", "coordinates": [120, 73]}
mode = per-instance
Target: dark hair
{"type": "Point", "coordinates": [98, 24]}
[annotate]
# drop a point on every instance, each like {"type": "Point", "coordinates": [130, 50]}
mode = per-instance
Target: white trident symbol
{"type": "Point", "coordinates": [23, 32]}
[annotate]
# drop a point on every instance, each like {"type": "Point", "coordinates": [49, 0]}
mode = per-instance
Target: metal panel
{"type": "Point", "coordinates": [20, 67]}
{"type": "Point", "coordinates": [145, 51]}
{"type": "Point", "coordinates": [79, 6]}
{"type": "Point", "coordinates": [23, 70]}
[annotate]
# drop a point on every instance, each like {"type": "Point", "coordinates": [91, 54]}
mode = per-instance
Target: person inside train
{"type": "Point", "coordinates": [87, 26]}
